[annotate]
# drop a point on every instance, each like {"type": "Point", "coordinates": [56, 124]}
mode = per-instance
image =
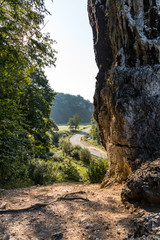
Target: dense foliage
{"type": "Point", "coordinates": [93, 137]}
{"type": "Point", "coordinates": [74, 122]}
{"type": "Point", "coordinates": [95, 131]}
{"type": "Point", "coordinates": [25, 96]}
{"type": "Point", "coordinates": [26, 129]}
{"type": "Point", "coordinates": [97, 170]}
{"type": "Point", "coordinates": [66, 106]}
{"type": "Point", "coordinates": [75, 163]}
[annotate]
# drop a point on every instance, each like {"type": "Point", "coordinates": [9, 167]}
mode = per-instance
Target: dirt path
{"type": "Point", "coordinates": [102, 217]}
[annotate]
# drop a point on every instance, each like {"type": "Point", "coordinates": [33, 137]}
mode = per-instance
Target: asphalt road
{"type": "Point", "coordinates": [76, 140]}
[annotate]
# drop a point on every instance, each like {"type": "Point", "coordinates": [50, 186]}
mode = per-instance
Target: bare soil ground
{"type": "Point", "coordinates": [102, 217]}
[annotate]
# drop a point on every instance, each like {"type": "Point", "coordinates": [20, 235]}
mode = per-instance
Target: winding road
{"type": "Point", "coordinates": [76, 140]}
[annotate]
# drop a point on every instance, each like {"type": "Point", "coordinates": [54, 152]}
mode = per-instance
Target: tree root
{"type": "Point", "coordinates": [64, 197]}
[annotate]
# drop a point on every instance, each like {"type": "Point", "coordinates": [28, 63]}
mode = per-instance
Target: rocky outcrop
{"type": "Point", "coordinates": [126, 37]}
{"type": "Point", "coordinates": [144, 183]}
{"type": "Point", "coordinates": [146, 227]}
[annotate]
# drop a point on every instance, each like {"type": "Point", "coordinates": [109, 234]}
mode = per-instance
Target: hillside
{"type": "Point", "coordinates": [66, 105]}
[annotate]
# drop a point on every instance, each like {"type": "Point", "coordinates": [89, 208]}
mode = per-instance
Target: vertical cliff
{"type": "Point", "coordinates": [126, 35]}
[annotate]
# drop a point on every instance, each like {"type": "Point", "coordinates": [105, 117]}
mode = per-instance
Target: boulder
{"type": "Point", "coordinates": [144, 183]}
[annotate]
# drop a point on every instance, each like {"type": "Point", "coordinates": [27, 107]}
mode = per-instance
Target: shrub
{"type": "Point", "coordinates": [41, 172]}
{"type": "Point", "coordinates": [70, 172]}
{"type": "Point", "coordinates": [66, 146]}
{"type": "Point", "coordinates": [77, 147]}
{"type": "Point", "coordinates": [85, 155]}
{"type": "Point", "coordinates": [50, 154]}
{"type": "Point", "coordinates": [75, 154]}
{"type": "Point", "coordinates": [58, 157]}
{"type": "Point", "coordinates": [64, 134]}
{"type": "Point", "coordinates": [97, 170]}
{"type": "Point", "coordinates": [55, 138]}
{"type": "Point", "coordinates": [15, 152]}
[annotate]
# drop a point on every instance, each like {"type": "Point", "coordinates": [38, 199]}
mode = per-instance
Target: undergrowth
{"type": "Point", "coordinates": [64, 163]}
{"type": "Point", "coordinates": [87, 138]}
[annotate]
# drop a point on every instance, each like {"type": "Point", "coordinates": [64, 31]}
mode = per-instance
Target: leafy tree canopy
{"type": "Point", "coordinates": [25, 95]}
{"type": "Point", "coordinates": [74, 122]}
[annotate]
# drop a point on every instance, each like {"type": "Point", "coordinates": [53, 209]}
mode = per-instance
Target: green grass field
{"type": "Point", "coordinates": [65, 127]}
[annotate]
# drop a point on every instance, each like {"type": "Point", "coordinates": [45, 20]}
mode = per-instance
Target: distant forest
{"type": "Point", "coordinates": [66, 105]}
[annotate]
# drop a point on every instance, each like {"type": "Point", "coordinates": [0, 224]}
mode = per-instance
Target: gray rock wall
{"type": "Point", "coordinates": [126, 36]}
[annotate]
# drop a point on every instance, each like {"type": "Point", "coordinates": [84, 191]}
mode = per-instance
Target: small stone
{"type": "Point", "coordinates": [89, 225]}
{"type": "Point", "coordinates": [130, 235]}
{"type": "Point", "coordinates": [3, 205]}
{"type": "Point", "coordinates": [32, 220]}
{"type": "Point", "coordinates": [57, 236]}
{"type": "Point", "coordinates": [106, 227]}
{"type": "Point", "coordinates": [7, 237]}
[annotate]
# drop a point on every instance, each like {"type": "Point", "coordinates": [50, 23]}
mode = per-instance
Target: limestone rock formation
{"type": "Point", "coordinates": [126, 35]}
{"type": "Point", "coordinates": [144, 183]}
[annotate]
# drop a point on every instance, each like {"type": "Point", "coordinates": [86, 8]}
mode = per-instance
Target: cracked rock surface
{"type": "Point", "coordinates": [126, 37]}
{"type": "Point", "coordinates": [144, 183]}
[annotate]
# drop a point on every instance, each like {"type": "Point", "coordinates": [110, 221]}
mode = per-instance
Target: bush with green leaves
{"type": "Point", "coordinates": [66, 146]}
{"type": "Point", "coordinates": [15, 153]}
{"type": "Point", "coordinates": [56, 136]}
{"type": "Point", "coordinates": [97, 170]}
{"type": "Point", "coordinates": [78, 147]}
{"type": "Point", "coordinates": [64, 134]}
{"type": "Point", "coordinates": [95, 131]}
{"type": "Point", "coordinates": [70, 172]}
{"type": "Point", "coordinates": [41, 172]}
{"type": "Point", "coordinates": [85, 155]}
{"type": "Point", "coordinates": [58, 157]}
{"type": "Point", "coordinates": [75, 154]}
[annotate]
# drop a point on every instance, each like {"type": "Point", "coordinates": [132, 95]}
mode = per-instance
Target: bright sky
{"type": "Point", "coordinates": [76, 69]}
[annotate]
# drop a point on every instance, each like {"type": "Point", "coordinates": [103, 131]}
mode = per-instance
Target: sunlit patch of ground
{"type": "Point", "coordinates": [103, 216]}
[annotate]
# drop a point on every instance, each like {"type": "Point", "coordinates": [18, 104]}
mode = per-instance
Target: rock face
{"type": "Point", "coordinates": [126, 37]}
{"type": "Point", "coordinates": [144, 183]}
